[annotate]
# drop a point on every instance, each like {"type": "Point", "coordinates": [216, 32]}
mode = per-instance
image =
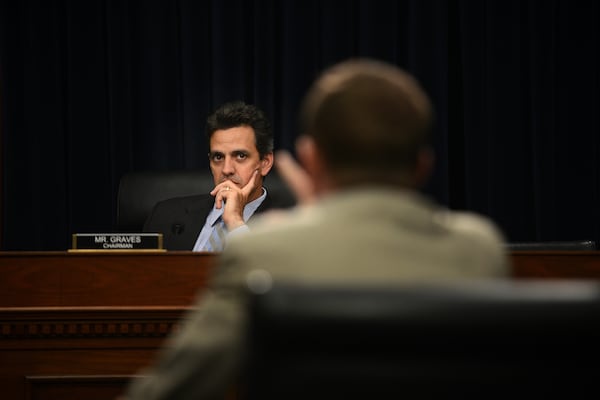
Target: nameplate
{"type": "Point", "coordinates": [117, 241]}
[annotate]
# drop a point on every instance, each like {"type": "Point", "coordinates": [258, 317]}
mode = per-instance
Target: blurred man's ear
{"type": "Point", "coordinates": [309, 156]}
{"type": "Point", "coordinates": [424, 167]}
{"type": "Point", "coordinates": [316, 165]}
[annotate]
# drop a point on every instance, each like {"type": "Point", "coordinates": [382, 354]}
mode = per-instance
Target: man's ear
{"type": "Point", "coordinates": [309, 156]}
{"type": "Point", "coordinates": [424, 167]}
{"type": "Point", "coordinates": [266, 163]}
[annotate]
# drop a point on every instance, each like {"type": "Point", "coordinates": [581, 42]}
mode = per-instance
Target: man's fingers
{"type": "Point", "coordinates": [218, 201]}
{"type": "Point", "coordinates": [249, 187]}
{"type": "Point", "coordinates": [221, 192]}
{"type": "Point", "coordinates": [295, 177]}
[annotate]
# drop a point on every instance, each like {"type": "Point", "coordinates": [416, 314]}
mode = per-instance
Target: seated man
{"type": "Point", "coordinates": [240, 144]}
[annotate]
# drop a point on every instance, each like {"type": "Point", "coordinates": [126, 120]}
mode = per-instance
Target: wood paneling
{"type": "Point", "coordinates": [81, 324]}
{"type": "Point", "coordinates": [97, 349]}
{"type": "Point", "coordinates": [556, 264]}
{"type": "Point", "coordinates": [116, 278]}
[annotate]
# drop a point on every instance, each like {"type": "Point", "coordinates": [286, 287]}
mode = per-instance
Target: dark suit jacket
{"type": "Point", "coordinates": [181, 219]}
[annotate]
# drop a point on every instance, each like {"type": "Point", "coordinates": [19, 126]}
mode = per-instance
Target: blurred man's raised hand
{"type": "Point", "coordinates": [295, 177]}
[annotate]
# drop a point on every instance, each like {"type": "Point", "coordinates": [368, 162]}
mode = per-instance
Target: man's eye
{"type": "Point", "coordinates": [217, 157]}
{"type": "Point", "coordinates": [242, 156]}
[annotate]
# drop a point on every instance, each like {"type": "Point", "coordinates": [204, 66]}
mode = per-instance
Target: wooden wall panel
{"type": "Point", "coordinates": [556, 264]}
{"type": "Point", "coordinates": [80, 325]}
{"type": "Point", "coordinates": [34, 279]}
{"type": "Point", "coordinates": [43, 351]}
{"type": "Point", "coordinates": [97, 387]}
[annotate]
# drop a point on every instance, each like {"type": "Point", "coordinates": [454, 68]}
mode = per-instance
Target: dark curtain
{"type": "Point", "coordinates": [91, 90]}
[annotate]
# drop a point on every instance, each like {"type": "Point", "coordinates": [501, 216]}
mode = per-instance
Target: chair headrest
{"type": "Point", "coordinates": [140, 191]}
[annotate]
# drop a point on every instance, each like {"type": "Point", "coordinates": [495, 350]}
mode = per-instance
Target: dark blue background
{"type": "Point", "coordinates": [91, 90]}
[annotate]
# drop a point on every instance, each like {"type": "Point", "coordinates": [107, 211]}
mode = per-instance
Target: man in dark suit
{"type": "Point", "coordinates": [241, 155]}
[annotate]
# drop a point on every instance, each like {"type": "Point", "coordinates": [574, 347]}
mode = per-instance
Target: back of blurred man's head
{"type": "Point", "coordinates": [370, 121]}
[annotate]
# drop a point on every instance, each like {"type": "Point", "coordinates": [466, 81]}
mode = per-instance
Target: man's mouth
{"type": "Point", "coordinates": [234, 181]}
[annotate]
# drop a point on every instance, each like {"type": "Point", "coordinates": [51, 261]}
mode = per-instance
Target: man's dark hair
{"type": "Point", "coordinates": [238, 113]}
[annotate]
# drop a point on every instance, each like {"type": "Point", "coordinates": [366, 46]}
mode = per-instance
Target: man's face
{"type": "Point", "coordinates": [233, 156]}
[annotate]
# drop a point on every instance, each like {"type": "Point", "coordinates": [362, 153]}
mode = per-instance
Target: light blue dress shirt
{"type": "Point", "coordinates": [215, 214]}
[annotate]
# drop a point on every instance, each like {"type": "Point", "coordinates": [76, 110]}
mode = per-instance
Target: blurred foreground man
{"type": "Point", "coordinates": [364, 154]}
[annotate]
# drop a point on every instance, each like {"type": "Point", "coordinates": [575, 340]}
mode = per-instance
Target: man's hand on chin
{"type": "Point", "coordinates": [234, 199]}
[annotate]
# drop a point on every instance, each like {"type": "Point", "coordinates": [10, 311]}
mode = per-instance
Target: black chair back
{"type": "Point", "coordinates": [140, 191]}
{"type": "Point", "coordinates": [472, 340]}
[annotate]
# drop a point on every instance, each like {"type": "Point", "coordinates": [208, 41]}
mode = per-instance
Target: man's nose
{"type": "Point", "coordinates": [228, 166]}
